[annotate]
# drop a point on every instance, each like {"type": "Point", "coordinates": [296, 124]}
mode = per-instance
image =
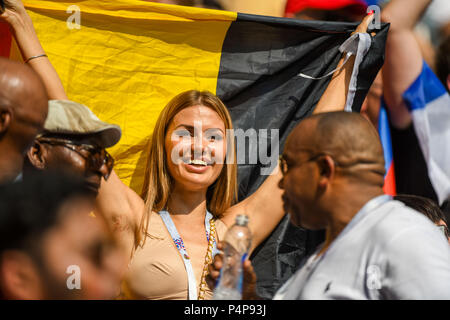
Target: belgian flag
{"type": "Point", "coordinates": [126, 59]}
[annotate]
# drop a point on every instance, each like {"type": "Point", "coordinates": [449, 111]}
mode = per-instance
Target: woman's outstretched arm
{"type": "Point", "coordinates": [23, 31]}
{"type": "Point", "coordinates": [122, 208]}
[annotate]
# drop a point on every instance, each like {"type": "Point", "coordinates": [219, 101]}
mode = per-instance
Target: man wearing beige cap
{"type": "Point", "coordinates": [74, 140]}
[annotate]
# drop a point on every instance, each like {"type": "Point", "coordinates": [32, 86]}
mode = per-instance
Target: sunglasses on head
{"type": "Point", "coordinates": [95, 160]}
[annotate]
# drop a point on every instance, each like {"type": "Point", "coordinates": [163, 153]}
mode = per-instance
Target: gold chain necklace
{"type": "Point", "coordinates": [208, 260]}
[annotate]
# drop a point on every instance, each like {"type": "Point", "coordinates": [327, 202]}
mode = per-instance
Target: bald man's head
{"type": "Point", "coordinates": [349, 138]}
{"type": "Point", "coordinates": [23, 110]}
{"type": "Point", "coordinates": [21, 88]}
{"type": "Point", "coordinates": [329, 158]}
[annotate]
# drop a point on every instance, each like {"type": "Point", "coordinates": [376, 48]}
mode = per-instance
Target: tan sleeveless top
{"type": "Point", "coordinates": [157, 271]}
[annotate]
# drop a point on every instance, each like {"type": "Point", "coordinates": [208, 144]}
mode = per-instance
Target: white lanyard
{"type": "Point", "coordinates": [192, 282]}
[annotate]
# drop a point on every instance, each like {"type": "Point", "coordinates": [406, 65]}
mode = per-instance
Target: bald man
{"type": "Point", "coordinates": [23, 110]}
{"type": "Point", "coordinates": [375, 247]}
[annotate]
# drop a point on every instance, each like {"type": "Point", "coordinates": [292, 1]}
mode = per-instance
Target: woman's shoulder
{"type": "Point", "coordinates": [119, 204]}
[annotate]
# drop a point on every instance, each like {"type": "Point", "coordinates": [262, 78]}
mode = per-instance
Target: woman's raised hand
{"type": "Point", "coordinates": [362, 27]}
{"type": "Point", "coordinates": [12, 9]}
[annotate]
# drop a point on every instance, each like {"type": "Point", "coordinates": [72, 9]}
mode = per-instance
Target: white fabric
{"type": "Point", "coordinates": [391, 252]}
{"type": "Point", "coordinates": [359, 48]}
{"type": "Point", "coordinates": [433, 132]}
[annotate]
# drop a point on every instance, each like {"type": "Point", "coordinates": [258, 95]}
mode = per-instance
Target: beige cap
{"type": "Point", "coordinates": [68, 117]}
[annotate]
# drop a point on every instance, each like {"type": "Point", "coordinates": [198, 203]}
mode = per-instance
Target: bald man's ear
{"type": "Point", "coordinates": [5, 120]}
{"type": "Point", "coordinates": [19, 276]}
{"type": "Point", "coordinates": [37, 155]}
{"type": "Point", "coordinates": [326, 169]}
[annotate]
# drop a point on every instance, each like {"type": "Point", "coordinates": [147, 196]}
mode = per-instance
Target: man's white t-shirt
{"type": "Point", "coordinates": [387, 251]}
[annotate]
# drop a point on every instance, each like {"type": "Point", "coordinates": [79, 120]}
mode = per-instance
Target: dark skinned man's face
{"type": "Point", "coordinates": [63, 157]}
{"type": "Point", "coordinates": [300, 179]}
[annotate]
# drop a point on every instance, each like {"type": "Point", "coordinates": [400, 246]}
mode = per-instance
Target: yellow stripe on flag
{"type": "Point", "coordinates": [128, 59]}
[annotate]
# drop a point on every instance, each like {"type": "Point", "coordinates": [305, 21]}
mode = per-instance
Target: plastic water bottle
{"type": "Point", "coordinates": [235, 248]}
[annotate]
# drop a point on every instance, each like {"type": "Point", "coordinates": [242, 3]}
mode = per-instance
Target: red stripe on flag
{"type": "Point", "coordinates": [5, 40]}
{"type": "Point", "coordinates": [389, 181]}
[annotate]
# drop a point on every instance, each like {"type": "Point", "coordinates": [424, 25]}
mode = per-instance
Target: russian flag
{"type": "Point", "coordinates": [429, 104]}
{"type": "Point", "coordinates": [385, 137]}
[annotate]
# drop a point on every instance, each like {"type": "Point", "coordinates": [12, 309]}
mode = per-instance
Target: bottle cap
{"type": "Point", "coordinates": [242, 220]}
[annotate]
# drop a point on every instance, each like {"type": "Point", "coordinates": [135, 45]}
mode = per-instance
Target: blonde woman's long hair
{"type": "Point", "coordinates": [158, 183]}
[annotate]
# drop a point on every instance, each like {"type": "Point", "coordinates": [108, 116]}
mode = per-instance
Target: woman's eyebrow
{"type": "Point", "coordinates": [191, 128]}
{"type": "Point", "coordinates": [215, 129]}
{"type": "Point", "coordinates": [185, 126]}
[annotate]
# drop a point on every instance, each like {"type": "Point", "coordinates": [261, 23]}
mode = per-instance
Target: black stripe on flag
{"type": "Point", "coordinates": [258, 76]}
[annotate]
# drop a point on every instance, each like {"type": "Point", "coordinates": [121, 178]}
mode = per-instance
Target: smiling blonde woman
{"type": "Point", "coordinates": [184, 190]}
{"type": "Point", "coordinates": [188, 202]}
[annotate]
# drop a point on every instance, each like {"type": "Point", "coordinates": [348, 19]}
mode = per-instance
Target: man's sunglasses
{"type": "Point", "coordinates": [284, 167]}
{"type": "Point", "coordinates": [95, 160]}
